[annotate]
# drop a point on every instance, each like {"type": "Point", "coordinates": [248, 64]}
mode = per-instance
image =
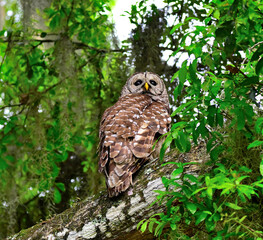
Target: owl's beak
{"type": "Point", "coordinates": [146, 85]}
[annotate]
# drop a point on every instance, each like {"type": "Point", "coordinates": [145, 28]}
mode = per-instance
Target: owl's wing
{"type": "Point", "coordinates": [127, 134]}
{"type": "Point", "coordinates": [154, 122]}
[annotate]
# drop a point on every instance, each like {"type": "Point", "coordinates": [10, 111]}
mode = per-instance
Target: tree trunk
{"type": "Point", "coordinates": [30, 8]}
{"type": "Point", "coordinates": [99, 217]}
{"type": "Point", "coordinates": [2, 15]}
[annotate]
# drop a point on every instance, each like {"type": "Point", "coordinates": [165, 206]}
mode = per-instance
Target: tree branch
{"type": "Point", "coordinates": [11, 105]}
{"type": "Point", "coordinates": [80, 45]}
{"type": "Point", "coordinates": [101, 218]}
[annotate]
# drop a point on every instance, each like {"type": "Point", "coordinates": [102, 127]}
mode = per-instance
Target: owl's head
{"type": "Point", "coordinates": [146, 83]}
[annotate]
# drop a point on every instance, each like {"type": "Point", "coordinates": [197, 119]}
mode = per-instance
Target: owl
{"type": "Point", "coordinates": [130, 128]}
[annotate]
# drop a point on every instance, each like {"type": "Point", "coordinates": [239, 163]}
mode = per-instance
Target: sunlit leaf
{"type": "Point", "coordinates": [256, 143]}
{"type": "Point", "coordinates": [233, 206]}
{"type": "Point", "coordinates": [261, 167]}
{"type": "Point", "coordinates": [191, 207]}
{"type": "Point", "coordinates": [57, 196]}
{"type": "Point", "coordinates": [176, 27]}
{"type": "Point", "coordinates": [201, 217]}
{"type": "Point", "coordinates": [144, 226]}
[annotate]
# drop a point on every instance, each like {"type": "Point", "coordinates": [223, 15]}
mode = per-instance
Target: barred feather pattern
{"type": "Point", "coordinates": [128, 131]}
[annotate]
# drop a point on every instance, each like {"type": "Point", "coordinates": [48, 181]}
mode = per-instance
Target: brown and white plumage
{"type": "Point", "coordinates": [129, 129]}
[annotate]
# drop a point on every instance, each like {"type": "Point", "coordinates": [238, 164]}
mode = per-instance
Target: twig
{"type": "Point", "coordinates": [81, 45]}
{"type": "Point", "coordinates": [84, 45]}
{"type": "Point", "coordinates": [11, 105]}
{"type": "Point", "coordinates": [239, 70]}
{"type": "Point", "coordinates": [49, 88]}
{"type": "Point", "coordinates": [251, 49]}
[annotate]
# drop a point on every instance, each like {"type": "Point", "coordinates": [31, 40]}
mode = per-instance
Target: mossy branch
{"type": "Point", "coordinates": [99, 217]}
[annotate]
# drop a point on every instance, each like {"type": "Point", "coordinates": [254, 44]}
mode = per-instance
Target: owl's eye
{"type": "Point", "coordinates": [138, 82]}
{"type": "Point", "coordinates": [152, 82]}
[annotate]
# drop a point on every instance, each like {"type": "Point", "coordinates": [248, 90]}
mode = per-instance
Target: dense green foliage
{"type": "Point", "coordinates": [56, 80]}
{"type": "Point", "coordinates": [222, 108]}
{"type": "Point", "coordinates": [55, 83]}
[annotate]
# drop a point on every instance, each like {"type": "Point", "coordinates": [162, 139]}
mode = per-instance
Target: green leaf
{"type": "Point", "coordinates": [8, 127]}
{"type": "Point", "coordinates": [183, 72]}
{"type": "Point", "coordinates": [182, 142]}
{"type": "Point", "coordinates": [210, 225]}
{"type": "Point", "coordinates": [195, 81]}
{"type": "Point", "coordinates": [255, 144]}
{"type": "Point", "coordinates": [259, 66]}
{"type": "Point", "coordinates": [240, 179]}
{"type": "Point", "coordinates": [3, 164]}
{"type": "Point", "coordinates": [178, 125]}
{"type": "Point", "coordinates": [217, 14]}
{"type": "Point", "coordinates": [57, 196]}
{"type": "Point", "coordinates": [177, 172]}
{"type": "Point", "coordinates": [202, 129]}
{"type": "Point", "coordinates": [257, 53]}
{"type": "Point", "coordinates": [61, 186]}
{"type": "Point", "coordinates": [209, 192]}
{"type": "Point", "coordinates": [219, 119]}
{"type": "Point", "coordinates": [232, 205]}
{"type": "Point", "coordinates": [214, 154]}
{"type": "Point", "coordinates": [259, 125]}
{"type": "Point", "coordinates": [159, 229]}
{"type": "Point", "coordinates": [191, 103]}
{"type": "Point", "coordinates": [173, 226]}
{"type": "Point", "coordinates": [151, 224]}
{"type": "Point", "coordinates": [198, 190]}
{"type": "Point", "coordinates": [2, 32]}
{"type": "Point", "coordinates": [140, 223]}
{"type": "Point", "coordinates": [165, 145]}
{"type": "Point", "coordinates": [245, 169]}
{"type": "Point", "coordinates": [3, 120]}
{"type": "Point", "coordinates": [240, 116]}
{"type": "Point", "coordinates": [211, 118]}
{"type": "Point", "coordinates": [201, 217]}
{"type": "Point", "coordinates": [174, 163]}
{"type": "Point", "coordinates": [191, 177]}
{"type": "Point", "coordinates": [191, 207]}
{"type": "Point", "coordinates": [216, 217]}
{"type": "Point", "coordinates": [261, 167]}
{"type": "Point", "coordinates": [207, 180]}
{"type": "Point", "coordinates": [250, 80]}
{"type": "Point", "coordinates": [10, 158]}
{"type": "Point", "coordinates": [63, 157]}
{"type": "Point", "coordinates": [176, 27]}
{"type": "Point", "coordinates": [178, 90]}
{"type": "Point", "coordinates": [182, 77]}
{"type": "Point", "coordinates": [55, 22]}
{"type": "Point", "coordinates": [242, 219]}
{"type": "Point", "coordinates": [144, 226]}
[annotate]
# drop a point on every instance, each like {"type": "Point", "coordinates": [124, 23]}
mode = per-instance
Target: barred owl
{"type": "Point", "coordinates": [130, 128]}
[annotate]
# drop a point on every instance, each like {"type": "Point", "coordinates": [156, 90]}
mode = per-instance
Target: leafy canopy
{"type": "Point", "coordinates": [222, 87]}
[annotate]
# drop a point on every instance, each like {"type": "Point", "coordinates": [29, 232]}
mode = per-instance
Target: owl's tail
{"type": "Point", "coordinates": [119, 180]}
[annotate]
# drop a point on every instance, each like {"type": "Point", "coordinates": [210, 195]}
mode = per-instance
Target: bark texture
{"type": "Point", "coordinates": [30, 8]}
{"type": "Point", "coordinates": [99, 217]}
{"type": "Point", "coordinates": [2, 14]}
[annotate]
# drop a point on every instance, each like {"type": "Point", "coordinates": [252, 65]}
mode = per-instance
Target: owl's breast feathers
{"type": "Point", "coordinates": [128, 131]}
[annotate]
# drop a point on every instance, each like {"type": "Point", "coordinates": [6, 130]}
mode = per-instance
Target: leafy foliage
{"type": "Point", "coordinates": [222, 83]}
{"type": "Point", "coordinates": [56, 81]}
